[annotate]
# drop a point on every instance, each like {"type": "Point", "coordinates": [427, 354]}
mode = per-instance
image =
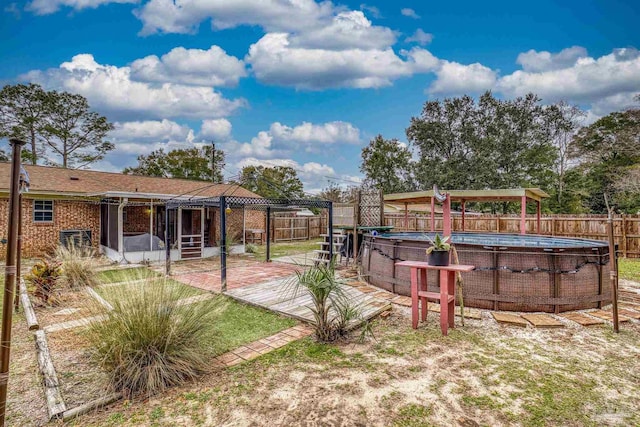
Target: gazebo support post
{"type": "Point", "coordinates": [223, 244]}
{"type": "Point", "coordinates": [330, 226]}
{"type": "Point", "coordinates": [433, 214]}
{"type": "Point", "coordinates": [523, 215]}
{"type": "Point", "coordinates": [462, 214]}
{"type": "Point", "coordinates": [538, 216]}
{"type": "Point", "coordinates": [167, 245]}
{"type": "Point", "coordinates": [268, 234]}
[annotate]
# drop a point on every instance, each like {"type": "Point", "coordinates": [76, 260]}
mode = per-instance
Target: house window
{"type": "Point", "coordinates": [43, 211]}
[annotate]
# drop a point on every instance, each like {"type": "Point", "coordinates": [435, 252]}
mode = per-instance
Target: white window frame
{"type": "Point", "coordinates": [42, 210]}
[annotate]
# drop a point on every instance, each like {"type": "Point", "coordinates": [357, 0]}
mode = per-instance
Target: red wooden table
{"type": "Point", "coordinates": [446, 297]}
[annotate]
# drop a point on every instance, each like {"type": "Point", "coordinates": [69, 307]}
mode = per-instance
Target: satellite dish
{"type": "Point", "coordinates": [439, 196]}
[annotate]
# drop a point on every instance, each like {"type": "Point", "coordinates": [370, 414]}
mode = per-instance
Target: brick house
{"type": "Point", "coordinates": [122, 216]}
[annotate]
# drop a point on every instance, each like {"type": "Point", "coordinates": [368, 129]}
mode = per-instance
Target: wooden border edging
{"type": "Point", "coordinates": [29, 313]}
{"type": "Point", "coordinates": [98, 298]}
{"type": "Point", "coordinates": [55, 403]}
{"type": "Point", "coordinates": [89, 406]}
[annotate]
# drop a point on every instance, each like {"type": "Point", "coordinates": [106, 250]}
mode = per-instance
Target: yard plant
{"type": "Point", "coordinates": [77, 264]}
{"type": "Point", "coordinates": [150, 340]}
{"type": "Point", "coordinates": [332, 310]}
{"type": "Point", "coordinates": [44, 277]}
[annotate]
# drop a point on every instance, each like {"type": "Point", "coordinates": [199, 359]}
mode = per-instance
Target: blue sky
{"type": "Point", "coordinates": [307, 83]}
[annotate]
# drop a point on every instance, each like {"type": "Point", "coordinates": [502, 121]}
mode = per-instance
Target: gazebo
{"type": "Point", "coordinates": [522, 195]}
{"type": "Point", "coordinates": [225, 204]}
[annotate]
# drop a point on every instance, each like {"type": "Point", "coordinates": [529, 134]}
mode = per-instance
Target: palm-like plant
{"type": "Point", "coordinates": [331, 308]}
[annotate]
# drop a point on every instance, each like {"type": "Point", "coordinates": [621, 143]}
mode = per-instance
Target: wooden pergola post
{"type": "Point", "coordinates": [462, 202]}
{"type": "Point", "coordinates": [523, 215]}
{"type": "Point", "coordinates": [446, 216]}
{"type": "Point", "coordinates": [538, 216]}
{"type": "Point", "coordinates": [433, 214]}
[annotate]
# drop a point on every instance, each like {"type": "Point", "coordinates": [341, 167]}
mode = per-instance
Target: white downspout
{"type": "Point", "coordinates": [151, 227]}
{"type": "Point", "coordinates": [123, 203]}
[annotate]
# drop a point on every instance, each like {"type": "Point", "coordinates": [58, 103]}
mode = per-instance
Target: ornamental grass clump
{"type": "Point", "coordinates": [77, 265]}
{"type": "Point", "coordinates": [151, 339]}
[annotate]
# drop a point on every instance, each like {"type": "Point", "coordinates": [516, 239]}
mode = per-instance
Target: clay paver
{"type": "Point", "coordinates": [629, 313]}
{"type": "Point", "coordinates": [401, 300]}
{"type": "Point", "coordinates": [582, 319]}
{"type": "Point", "coordinates": [542, 320]}
{"type": "Point", "coordinates": [469, 313]}
{"type": "Point", "coordinates": [606, 315]}
{"type": "Point", "coordinates": [510, 319]}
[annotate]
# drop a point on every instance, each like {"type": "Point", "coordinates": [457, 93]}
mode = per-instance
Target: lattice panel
{"type": "Point", "coordinates": [370, 208]}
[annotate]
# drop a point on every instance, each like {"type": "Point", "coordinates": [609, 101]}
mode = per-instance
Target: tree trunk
{"type": "Point", "coordinates": [34, 151]}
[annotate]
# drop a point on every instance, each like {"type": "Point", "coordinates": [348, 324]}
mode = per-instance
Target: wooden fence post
{"type": "Point", "coordinates": [624, 236]}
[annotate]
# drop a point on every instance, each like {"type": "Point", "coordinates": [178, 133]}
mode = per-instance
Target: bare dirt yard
{"type": "Point", "coordinates": [482, 374]}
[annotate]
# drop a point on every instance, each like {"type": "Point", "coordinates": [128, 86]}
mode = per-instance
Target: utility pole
{"type": "Point", "coordinates": [213, 162]}
{"type": "Point", "coordinates": [10, 273]}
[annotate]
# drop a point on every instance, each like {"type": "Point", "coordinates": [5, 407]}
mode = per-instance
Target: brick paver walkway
{"type": "Point", "coordinates": [238, 276]}
{"type": "Point", "coordinates": [263, 346]}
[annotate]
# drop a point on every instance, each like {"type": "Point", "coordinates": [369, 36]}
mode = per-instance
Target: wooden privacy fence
{"type": "Point", "coordinates": [626, 227]}
{"type": "Point", "coordinates": [290, 228]}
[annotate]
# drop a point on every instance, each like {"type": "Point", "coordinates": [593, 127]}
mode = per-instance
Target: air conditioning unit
{"type": "Point", "coordinates": [77, 237]}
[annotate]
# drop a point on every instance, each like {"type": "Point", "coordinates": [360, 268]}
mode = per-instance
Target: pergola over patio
{"type": "Point", "coordinates": [227, 203]}
{"type": "Point", "coordinates": [522, 195]}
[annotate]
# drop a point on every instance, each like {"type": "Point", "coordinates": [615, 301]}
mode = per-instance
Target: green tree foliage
{"type": "Point", "coordinates": [387, 165]}
{"type": "Point", "coordinates": [190, 163]}
{"type": "Point", "coordinates": [73, 133]}
{"type": "Point", "coordinates": [4, 157]}
{"type": "Point", "coordinates": [564, 122]}
{"type": "Point", "coordinates": [607, 150]}
{"type": "Point", "coordinates": [276, 182]}
{"type": "Point", "coordinates": [22, 112]}
{"type": "Point", "coordinates": [491, 143]}
{"type": "Point", "coordinates": [338, 194]}
{"type": "Point", "coordinates": [59, 127]}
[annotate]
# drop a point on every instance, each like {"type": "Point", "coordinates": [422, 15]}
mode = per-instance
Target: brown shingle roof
{"type": "Point", "coordinates": [58, 180]}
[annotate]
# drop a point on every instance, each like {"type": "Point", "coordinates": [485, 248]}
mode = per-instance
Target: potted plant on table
{"type": "Point", "coordinates": [438, 252]}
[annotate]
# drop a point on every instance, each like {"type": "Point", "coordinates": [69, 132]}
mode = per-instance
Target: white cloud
{"type": "Point", "coordinates": [535, 61]}
{"type": "Point", "coordinates": [609, 79]}
{"type": "Point", "coordinates": [152, 130]}
{"type": "Point", "coordinates": [409, 13]}
{"type": "Point", "coordinates": [184, 16]}
{"type": "Point", "coordinates": [456, 78]}
{"type": "Point", "coordinates": [212, 67]}
{"type": "Point", "coordinates": [313, 175]}
{"type": "Point", "coordinates": [218, 129]}
{"type": "Point", "coordinates": [45, 7]}
{"type": "Point", "coordinates": [420, 37]}
{"type": "Point", "coordinates": [274, 61]}
{"type": "Point", "coordinates": [282, 140]}
{"type": "Point", "coordinates": [347, 30]}
{"type": "Point", "coordinates": [308, 133]}
{"type": "Point", "coordinates": [110, 89]}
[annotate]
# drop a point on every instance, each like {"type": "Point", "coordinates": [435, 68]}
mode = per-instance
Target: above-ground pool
{"type": "Point", "coordinates": [513, 272]}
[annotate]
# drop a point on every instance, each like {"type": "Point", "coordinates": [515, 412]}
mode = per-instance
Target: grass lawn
{"type": "Point", "coordinates": [629, 268]}
{"type": "Point", "coordinates": [187, 290]}
{"type": "Point", "coordinates": [121, 275]}
{"type": "Point", "coordinates": [289, 248]}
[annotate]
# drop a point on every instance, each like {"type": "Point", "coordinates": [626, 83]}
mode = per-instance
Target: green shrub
{"type": "Point", "coordinates": [78, 265]}
{"type": "Point", "coordinates": [332, 310]}
{"type": "Point", "coordinates": [150, 341]}
{"type": "Point", "coordinates": [44, 276]}
{"type": "Point", "coordinates": [250, 248]}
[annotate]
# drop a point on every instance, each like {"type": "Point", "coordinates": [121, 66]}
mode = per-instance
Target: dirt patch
{"type": "Point", "coordinates": [80, 380]}
{"type": "Point", "coordinates": [69, 305]}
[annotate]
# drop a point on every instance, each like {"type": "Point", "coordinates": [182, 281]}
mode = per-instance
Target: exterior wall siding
{"type": "Point", "coordinates": [39, 238]}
